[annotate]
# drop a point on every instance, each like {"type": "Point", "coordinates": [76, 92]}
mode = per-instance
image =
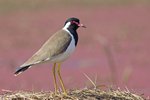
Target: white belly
{"type": "Point", "coordinates": [66, 54]}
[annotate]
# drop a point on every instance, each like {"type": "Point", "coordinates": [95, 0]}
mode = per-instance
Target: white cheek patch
{"type": "Point", "coordinates": [67, 25]}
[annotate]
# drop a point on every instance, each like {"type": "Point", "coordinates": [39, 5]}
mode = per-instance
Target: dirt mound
{"type": "Point", "coordinates": [85, 94]}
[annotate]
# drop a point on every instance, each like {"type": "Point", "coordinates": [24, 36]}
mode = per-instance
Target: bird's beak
{"type": "Point", "coordinates": [81, 25]}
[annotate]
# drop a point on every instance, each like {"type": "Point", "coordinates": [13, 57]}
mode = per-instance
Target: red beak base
{"type": "Point", "coordinates": [81, 25]}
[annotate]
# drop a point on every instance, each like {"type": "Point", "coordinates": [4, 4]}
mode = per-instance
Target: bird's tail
{"type": "Point", "coordinates": [19, 70]}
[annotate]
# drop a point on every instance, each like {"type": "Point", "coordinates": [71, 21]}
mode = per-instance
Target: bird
{"type": "Point", "coordinates": [56, 50]}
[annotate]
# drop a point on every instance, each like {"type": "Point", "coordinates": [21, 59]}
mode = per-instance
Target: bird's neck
{"type": "Point", "coordinates": [73, 33]}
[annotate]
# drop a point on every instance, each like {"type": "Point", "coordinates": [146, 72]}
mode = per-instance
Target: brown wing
{"type": "Point", "coordinates": [54, 46]}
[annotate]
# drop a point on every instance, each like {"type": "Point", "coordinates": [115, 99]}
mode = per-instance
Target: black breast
{"type": "Point", "coordinates": [75, 35]}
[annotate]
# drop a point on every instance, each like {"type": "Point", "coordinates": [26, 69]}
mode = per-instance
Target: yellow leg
{"type": "Point", "coordinates": [54, 77]}
{"type": "Point", "coordinates": [60, 79]}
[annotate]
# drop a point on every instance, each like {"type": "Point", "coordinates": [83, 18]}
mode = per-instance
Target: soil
{"type": "Point", "coordinates": [85, 94]}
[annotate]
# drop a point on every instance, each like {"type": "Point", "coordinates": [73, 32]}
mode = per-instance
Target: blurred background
{"type": "Point", "coordinates": [112, 50]}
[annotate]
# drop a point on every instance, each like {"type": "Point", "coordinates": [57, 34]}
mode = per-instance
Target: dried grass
{"type": "Point", "coordinates": [85, 94]}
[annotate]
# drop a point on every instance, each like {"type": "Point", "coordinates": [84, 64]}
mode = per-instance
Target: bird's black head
{"type": "Point", "coordinates": [73, 23]}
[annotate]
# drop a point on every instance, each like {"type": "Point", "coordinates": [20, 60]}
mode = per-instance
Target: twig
{"type": "Point", "coordinates": [90, 80]}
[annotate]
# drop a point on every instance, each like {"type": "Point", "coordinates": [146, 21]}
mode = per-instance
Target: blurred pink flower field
{"type": "Point", "coordinates": [113, 48]}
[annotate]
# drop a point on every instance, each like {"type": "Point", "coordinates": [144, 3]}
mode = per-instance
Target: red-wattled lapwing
{"type": "Point", "coordinates": [56, 49]}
